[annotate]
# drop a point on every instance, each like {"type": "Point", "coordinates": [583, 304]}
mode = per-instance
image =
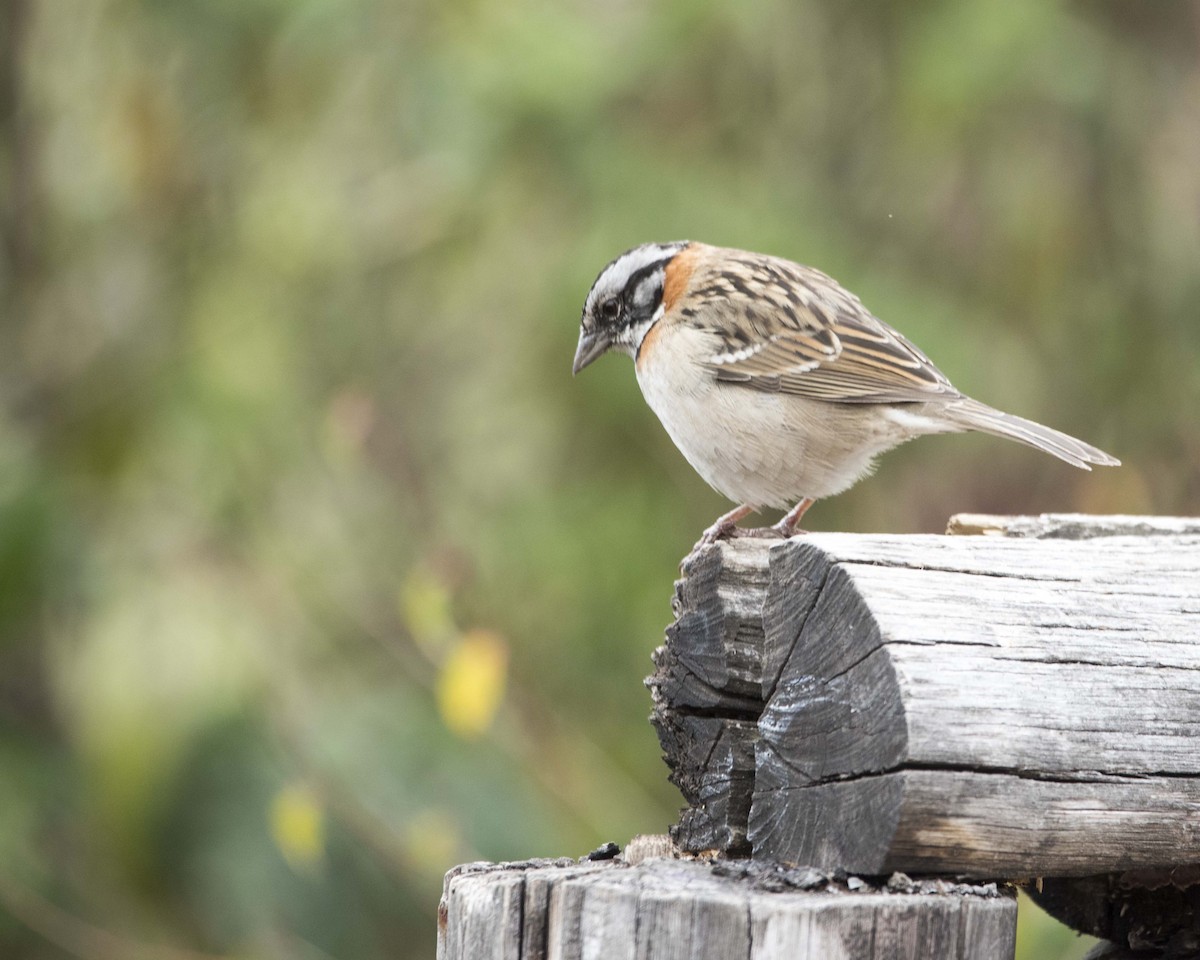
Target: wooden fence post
{"type": "Point", "coordinates": [665, 909]}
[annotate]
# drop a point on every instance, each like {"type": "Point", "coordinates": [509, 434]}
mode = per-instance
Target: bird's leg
{"type": "Point", "coordinates": [724, 526]}
{"type": "Point", "coordinates": [791, 521]}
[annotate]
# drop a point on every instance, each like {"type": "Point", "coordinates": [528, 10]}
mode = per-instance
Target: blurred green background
{"type": "Point", "coordinates": [318, 573]}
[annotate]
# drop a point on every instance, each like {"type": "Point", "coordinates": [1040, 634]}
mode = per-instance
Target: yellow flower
{"type": "Point", "coordinates": [298, 826]}
{"type": "Point", "coordinates": [471, 686]}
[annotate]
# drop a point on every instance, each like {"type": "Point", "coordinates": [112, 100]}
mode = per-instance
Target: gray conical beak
{"type": "Point", "coordinates": [591, 346]}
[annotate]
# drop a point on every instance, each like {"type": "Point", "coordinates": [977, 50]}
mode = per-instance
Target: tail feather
{"type": "Point", "coordinates": [973, 415]}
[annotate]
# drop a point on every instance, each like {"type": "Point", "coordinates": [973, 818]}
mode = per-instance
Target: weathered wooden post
{"type": "Point", "coordinates": [692, 910]}
{"type": "Point", "coordinates": [1021, 703]}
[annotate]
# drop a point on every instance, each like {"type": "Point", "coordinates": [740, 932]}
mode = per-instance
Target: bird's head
{"type": "Point", "coordinates": [624, 302]}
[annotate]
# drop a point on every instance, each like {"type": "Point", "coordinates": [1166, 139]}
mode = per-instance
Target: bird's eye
{"type": "Point", "coordinates": [609, 309]}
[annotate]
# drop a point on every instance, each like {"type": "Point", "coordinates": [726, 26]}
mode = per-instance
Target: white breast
{"type": "Point", "coordinates": [758, 448]}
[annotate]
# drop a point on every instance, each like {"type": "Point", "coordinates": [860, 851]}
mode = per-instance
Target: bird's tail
{"type": "Point", "coordinates": [973, 415]}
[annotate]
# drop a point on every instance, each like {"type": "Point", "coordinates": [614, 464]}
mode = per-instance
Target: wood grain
{"type": "Point", "coordinates": [1070, 526]}
{"type": "Point", "coordinates": [666, 909]}
{"type": "Point", "coordinates": [1021, 704]}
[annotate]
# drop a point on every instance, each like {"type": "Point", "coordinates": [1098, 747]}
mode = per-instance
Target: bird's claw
{"type": "Point", "coordinates": [717, 532]}
{"type": "Point", "coordinates": [784, 530]}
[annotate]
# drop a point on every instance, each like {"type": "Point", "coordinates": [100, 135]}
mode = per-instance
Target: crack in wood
{"type": "Point", "coordinates": [932, 568]}
{"type": "Point", "coordinates": [1064, 776]}
{"type": "Point", "coordinates": [1123, 663]}
{"type": "Point", "coordinates": [770, 685]}
{"type": "Point", "coordinates": [721, 713]}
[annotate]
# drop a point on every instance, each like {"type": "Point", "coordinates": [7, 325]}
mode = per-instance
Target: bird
{"type": "Point", "coordinates": [774, 381]}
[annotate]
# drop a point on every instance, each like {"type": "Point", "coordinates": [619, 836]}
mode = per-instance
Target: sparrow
{"type": "Point", "coordinates": [775, 382]}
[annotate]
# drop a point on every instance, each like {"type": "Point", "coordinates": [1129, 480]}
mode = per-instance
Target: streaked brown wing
{"type": "Point", "coordinates": [799, 332]}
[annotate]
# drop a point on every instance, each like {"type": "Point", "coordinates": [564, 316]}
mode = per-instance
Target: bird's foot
{"type": "Point", "coordinates": [789, 526]}
{"type": "Point", "coordinates": [725, 528]}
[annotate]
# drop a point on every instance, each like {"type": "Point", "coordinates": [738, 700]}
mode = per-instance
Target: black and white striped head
{"type": "Point", "coordinates": [624, 302]}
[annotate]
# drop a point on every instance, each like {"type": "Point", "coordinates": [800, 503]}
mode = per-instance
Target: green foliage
{"type": "Point", "coordinates": [318, 573]}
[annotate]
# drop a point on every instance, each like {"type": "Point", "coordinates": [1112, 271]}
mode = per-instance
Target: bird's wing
{"type": "Point", "coordinates": [792, 329]}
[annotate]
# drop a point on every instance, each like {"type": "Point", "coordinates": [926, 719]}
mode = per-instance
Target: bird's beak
{"type": "Point", "coordinates": [591, 346]}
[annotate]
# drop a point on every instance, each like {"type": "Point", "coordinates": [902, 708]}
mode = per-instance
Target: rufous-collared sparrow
{"type": "Point", "coordinates": [775, 382]}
